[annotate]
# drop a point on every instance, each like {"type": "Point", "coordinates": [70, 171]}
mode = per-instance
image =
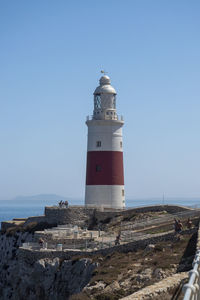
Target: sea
{"type": "Point", "coordinates": [10, 209]}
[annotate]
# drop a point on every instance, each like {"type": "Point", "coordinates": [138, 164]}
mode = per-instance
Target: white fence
{"type": "Point", "coordinates": [85, 246]}
{"type": "Point", "coordinates": [191, 289]}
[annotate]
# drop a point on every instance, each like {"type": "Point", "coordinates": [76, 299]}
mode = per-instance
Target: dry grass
{"type": "Point", "coordinates": [119, 266]}
{"type": "Point", "coordinates": [31, 228]}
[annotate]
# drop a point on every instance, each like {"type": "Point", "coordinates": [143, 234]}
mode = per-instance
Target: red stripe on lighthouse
{"type": "Point", "coordinates": [105, 168]}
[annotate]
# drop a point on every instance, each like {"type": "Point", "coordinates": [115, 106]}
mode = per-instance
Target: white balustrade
{"type": "Point", "coordinates": [191, 289]}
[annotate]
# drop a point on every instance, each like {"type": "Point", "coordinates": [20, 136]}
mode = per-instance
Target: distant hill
{"type": "Point", "coordinates": [41, 197]}
{"type": "Point", "coordinates": [53, 199]}
{"type": "Point", "coordinates": [40, 200]}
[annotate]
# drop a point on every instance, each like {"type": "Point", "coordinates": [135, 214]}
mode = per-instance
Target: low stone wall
{"type": "Point", "coordinates": [70, 215]}
{"type": "Point", "coordinates": [5, 225]}
{"type": "Point", "coordinates": [8, 224]}
{"type": "Point", "coordinates": [163, 289]}
{"type": "Point", "coordinates": [37, 219]}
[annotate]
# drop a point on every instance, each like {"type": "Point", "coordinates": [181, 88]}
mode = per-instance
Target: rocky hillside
{"type": "Point", "coordinates": [99, 276]}
{"type": "Point", "coordinates": [45, 279]}
{"type": "Point", "coordinates": [9, 245]}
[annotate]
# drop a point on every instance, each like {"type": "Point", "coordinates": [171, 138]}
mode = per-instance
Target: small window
{"type": "Point", "coordinates": [123, 193]}
{"type": "Point", "coordinates": [121, 144]}
{"type": "Point", "coordinates": [98, 168]}
{"type": "Point", "coordinates": [107, 112]}
{"type": "Point", "coordinates": [98, 144]}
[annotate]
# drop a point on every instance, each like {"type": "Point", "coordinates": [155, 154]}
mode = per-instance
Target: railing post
{"type": "Point", "coordinates": [192, 289]}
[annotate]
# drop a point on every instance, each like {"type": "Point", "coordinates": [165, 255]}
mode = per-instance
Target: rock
{"type": "Point", "coordinates": [149, 248]}
{"type": "Point", "coordinates": [23, 277]}
{"type": "Point", "coordinates": [159, 273]}
{"type": "Point", "coordinates": [137, 264]}
{"type": "Point", "coordinates": [159, 248]}
{"type": "Point", "coordinates": [112, 287]}
{"type": "Point", "coordinates": [144, 276]}
{"type": "Point", "coordinates": [126, 284]}
{"type": "Point", "coordinates": [98, 285]}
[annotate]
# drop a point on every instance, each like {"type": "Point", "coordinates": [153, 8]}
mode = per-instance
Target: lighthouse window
{"type": "Point", "coordinates": [97, 101]}
{"type": "Point", "coordinates": [123, 193]}
{"type": "Point", "coordinates": [98, 168]}
{"type": "Point", "coordinates": [114, 102]}
{"type": "Point", "coordinates": [98, 143]}
{"type": "Point", "coordinates": [121, 144]}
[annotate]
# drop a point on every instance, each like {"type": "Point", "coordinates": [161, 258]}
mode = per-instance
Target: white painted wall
{"type": "Point", "coordinates": [105, 195]}
{"type": "Point", "coordinates": [106, 131]}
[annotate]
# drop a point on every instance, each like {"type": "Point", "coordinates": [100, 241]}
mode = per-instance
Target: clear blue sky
{"type": "Point", "coordinates": [51, 54]}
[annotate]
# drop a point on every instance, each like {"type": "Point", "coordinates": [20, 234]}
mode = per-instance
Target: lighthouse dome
{"type": "Point", "coordinates": [104, 87]}
{"type": "Point", "coordinates": [104, 80]}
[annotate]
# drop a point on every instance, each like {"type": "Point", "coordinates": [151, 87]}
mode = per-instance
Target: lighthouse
{"type": "Point", "coordinates": [104, 170]}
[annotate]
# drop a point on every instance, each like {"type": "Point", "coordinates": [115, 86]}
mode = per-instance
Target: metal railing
{"type": "Point", "coordinates": [191, 289]}
{"type": "Point", "coordinates": [106, 117]}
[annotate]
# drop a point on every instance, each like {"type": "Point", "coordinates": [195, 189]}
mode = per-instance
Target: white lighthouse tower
{"type": "Point", "coordinates": [105, 172]}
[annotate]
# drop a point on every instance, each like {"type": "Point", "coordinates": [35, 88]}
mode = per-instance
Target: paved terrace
{"type": "Point", "coordinates": [71, 237]}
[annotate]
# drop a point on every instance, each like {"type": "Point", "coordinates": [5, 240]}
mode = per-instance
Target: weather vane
{"type": "Point", "coordinates": [104, 72]}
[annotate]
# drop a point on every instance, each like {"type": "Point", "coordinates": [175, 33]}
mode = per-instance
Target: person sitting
{"type": "Point", "coordinates": [61, 204]}
{"type": "Point", "coordinates": [66, 203]}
